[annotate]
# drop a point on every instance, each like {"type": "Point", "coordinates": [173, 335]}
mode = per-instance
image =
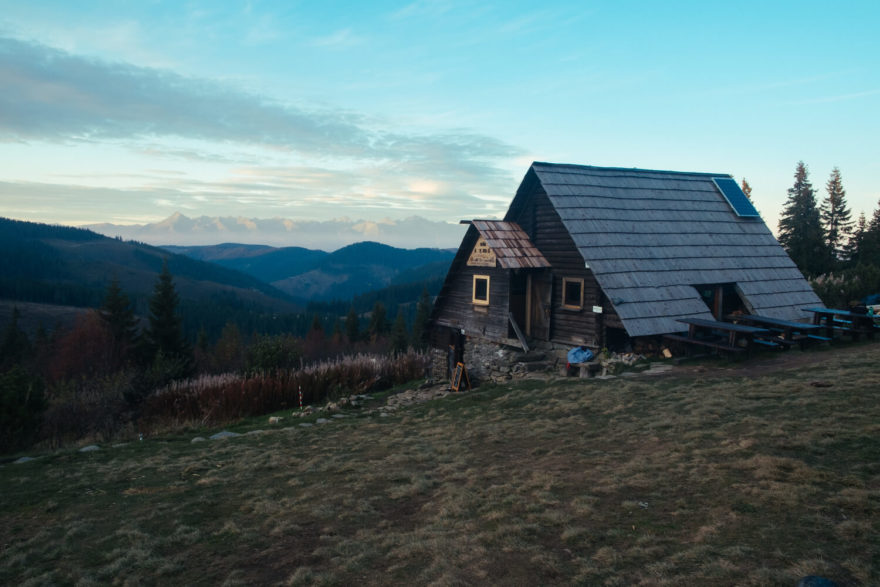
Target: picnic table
{"type": "Point", "coordinates": [852, 323]}
{"type": "Point", "coordinates": [723, 336]}
{"type": "Point", "coordinates": [788, 332]}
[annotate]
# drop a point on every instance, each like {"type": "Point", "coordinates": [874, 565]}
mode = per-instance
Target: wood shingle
{"type": "Point", "coordinates": [650, 236]}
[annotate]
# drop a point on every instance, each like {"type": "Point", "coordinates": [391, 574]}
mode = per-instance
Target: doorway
{"type": "Point", "coordinates": [530, 303]}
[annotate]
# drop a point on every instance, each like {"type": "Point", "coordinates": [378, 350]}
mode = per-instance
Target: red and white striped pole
{"type": "Point", "coordinates": [300, 398]}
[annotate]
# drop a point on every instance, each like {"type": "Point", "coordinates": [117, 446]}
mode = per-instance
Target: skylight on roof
{"type": "Point", "coordinates": [735, 197]}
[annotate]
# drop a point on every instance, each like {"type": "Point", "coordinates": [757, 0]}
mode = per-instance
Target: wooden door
{"type": "Point", "coordinates": [539, 300]}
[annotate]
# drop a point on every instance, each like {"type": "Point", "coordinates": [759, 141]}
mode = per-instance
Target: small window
{"type": "Point", "coordinates": [572, 293]}
{"type": "Point", "coordinates": [481, 290]}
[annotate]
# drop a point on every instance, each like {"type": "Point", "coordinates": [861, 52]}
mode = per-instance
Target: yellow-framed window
{"type": "Point", "coordinates": [573, 293]}
{"type": "Point", "coordinates": [481, 290]}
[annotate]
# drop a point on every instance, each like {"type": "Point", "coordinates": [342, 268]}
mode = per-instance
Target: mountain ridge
{"type": "Point", "coordinates": [64, 265]}
{"type": "Point", "coordinates": [329, 235]}
{"type": "Point", "coordinates": [320, 276]}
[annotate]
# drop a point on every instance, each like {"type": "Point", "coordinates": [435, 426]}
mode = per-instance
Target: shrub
{"type": "Point", "coordinates": [274, 353]}
{"type": "Point", "coordinates": [837, 290]}
{"type": "Point", "coordinates": [94, 408]}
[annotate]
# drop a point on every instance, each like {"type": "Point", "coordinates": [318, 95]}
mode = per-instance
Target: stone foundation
{"type": "Point", "coordinates": [498, 362]}
{"type": "Point", "coordinates": [488, 361]}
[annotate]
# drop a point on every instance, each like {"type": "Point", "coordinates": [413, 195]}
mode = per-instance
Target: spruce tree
{"type": "Point", "coordinates": [800, 226]}
{"type": "Point", "coordinates": [164, 336]}
{"type": "Point", "coordinates": [317, 325]}
{"type": "Point", "coordinates": [855, 247]}
{"type": "Point", "coordinates": [836, 217]}
{"type": "Point", "coordinates": [378, 321]}
{"type": "Point", "coordinates": [399, 337]}
{"type": "Point", "coordinates": [869, 248]}
{"type": "Point", "coordinates": [420, 324]}
{"type": "Point", "coordinates": [119, 318]}
{"type": "Point", "coordinates": [337, 330]}
{"type": "Point", "coordinates": [352, 326]}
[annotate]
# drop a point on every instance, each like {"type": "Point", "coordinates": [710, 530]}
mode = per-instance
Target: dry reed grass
{"type": "Point", "coordinates": [213, 400]}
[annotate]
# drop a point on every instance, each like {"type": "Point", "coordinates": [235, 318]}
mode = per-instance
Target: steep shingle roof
{"type": "Point", "coordinates": [511, 245]}
{"type": "Point", "coordinates": [650, 236]}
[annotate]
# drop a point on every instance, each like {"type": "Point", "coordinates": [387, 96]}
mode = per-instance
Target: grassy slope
{"type": "Point", "coordinates": [699, 478]}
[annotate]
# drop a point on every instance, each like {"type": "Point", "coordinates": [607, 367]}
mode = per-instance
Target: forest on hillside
{"type": "Point", "coordinates": [111, 372]}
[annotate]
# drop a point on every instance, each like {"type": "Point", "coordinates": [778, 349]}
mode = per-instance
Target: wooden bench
{"type": "Point", "coordinates": [775, 343]}
{"type": "Point", "coordinates": [584, 369]}
{"type": "Point", "coordinates": [785, 333]}
{"type": "Point", "coordinates": [853, 323]}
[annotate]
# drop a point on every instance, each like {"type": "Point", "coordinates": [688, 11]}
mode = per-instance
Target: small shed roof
{"type": "Point", "coordinates": [511, 245]}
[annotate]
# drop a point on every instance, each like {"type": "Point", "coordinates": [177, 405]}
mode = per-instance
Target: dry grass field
{"type": "Point", "coordinates": [752, 473]}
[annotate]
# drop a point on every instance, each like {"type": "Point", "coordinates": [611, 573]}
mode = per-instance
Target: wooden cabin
{"type": "Point", "coordinates": [601, 255]}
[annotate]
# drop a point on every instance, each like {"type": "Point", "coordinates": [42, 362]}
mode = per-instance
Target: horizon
{"type": "Point", "coordinates": [125, 114]}
{"type": "Point", "coordinates": [324, 235]}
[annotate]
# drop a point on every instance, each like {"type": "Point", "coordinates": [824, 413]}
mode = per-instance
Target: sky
{"type": "Point", "coordinates": [127, 112]}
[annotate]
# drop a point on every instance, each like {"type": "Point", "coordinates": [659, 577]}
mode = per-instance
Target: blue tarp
{"type": "Point", "coordinates": [579, 355]}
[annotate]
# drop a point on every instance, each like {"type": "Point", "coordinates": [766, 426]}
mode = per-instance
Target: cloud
{"type": "Point", "coordinates": [342, 159]}
{"type": "Point", "coordinates": [49, 94]}
{"type": "Point", "coordinates": [53, 95]}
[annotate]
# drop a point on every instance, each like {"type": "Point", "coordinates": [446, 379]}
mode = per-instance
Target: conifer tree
{"type": "Point", "coordinates": [800, 227]}
{"type": "Point", "coordinates": [337, 330]}
{"type": "Point", "coordinates": [378, 321]}
{"type": "Point", "coordinates": [869, 247]}
{"type": "Point", "coordinates": [420, 324]}
{"type": "Point", "coordinates": [352, 326]}
{"type": "Point", "coordinates": [317, 325]}
{"type": "Point", "coordinates": [399, 337]}
{"type": "Point", "coordinates": [856, 243]}
{"type": "Point", "coordinates": [164, 336]}
{"type": "Point", "coordinates": [315, 346]}
{"type": "Point", "coordinates": [118, 316]}
{"type": "Point", "coordinates": [229, 350]}
{"type": "Point", "coordinates": [747, 189]}
{"type": "Point", "coordinates": [836, 217]}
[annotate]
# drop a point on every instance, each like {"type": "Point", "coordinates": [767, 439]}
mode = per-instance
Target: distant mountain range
{"type": "Point", "coordinates": [328, 235]}
{"type": "Point", "coordinates": [318, 275]}
{"type": "Point", "coordinates": [50, 273]}
{"type": "Point", "coordinates": [63, 266]}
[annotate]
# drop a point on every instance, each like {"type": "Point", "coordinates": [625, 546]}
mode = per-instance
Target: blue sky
{"type": "Point", "coordinates": [127, 112]}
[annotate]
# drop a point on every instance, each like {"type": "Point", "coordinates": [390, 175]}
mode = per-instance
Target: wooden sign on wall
{"type": "Point", "coordinates": [482, 255]}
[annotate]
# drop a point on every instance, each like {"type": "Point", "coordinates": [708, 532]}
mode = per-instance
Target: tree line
{"type": "Point", "coordinates": [840, 256]}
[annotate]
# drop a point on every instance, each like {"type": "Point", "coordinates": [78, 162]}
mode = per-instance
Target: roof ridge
{"type": "Point", "coordinates": [637, 170]}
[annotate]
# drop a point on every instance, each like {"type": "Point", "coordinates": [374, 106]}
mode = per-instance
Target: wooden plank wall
{"type": "Point", "coordinates": [456, 308]}
{"type": "Point", "coordinates": [544, 227]}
